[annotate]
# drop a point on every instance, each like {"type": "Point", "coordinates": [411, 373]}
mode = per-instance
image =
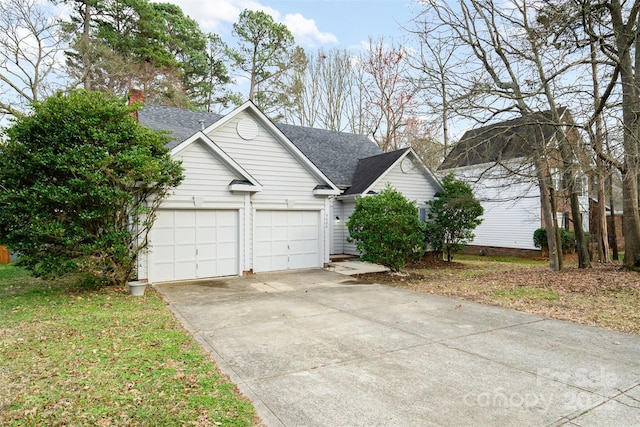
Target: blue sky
{"type": "Point", "coordinates": [314, 23]}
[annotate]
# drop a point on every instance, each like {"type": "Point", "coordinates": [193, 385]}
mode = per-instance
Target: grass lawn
{"type": "Point", "coordinates": [604, 296]}
{"type": "Point", "coordinates": [100, 357]}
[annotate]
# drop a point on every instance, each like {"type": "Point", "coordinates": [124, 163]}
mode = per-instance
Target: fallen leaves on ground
{"type": "Point", "coordinates": [605, 295]}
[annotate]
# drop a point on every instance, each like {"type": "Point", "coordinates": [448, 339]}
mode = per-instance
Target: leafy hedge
{"type": "Point", "coordinates": [386, 229]}
{"type": "Point", "coordinates": [567, 237]}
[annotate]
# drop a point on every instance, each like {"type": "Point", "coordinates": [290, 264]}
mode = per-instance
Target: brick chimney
{"type": "Point", "coordinates": [135, 95]}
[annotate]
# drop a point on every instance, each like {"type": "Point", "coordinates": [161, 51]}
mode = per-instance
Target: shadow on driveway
{"type": "Point", "coordinates": [317, 348]}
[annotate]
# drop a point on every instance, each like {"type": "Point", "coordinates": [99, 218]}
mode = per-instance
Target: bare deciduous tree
{"type": "Point", "coordinates": [613, 26]}
{"type": "Point", "coordinates": [519, 68]}
{"type": "Point", "coordinates": [29, 49]}
{"type": "Point", "coordinates": [389, 93]}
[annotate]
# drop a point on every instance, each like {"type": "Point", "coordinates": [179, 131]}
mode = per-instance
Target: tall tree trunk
{"type": "Point", "coordinates": [553, 199]}
{"type": "Point", "coordinates": [86, 47]}
{"type": "Point", "coordinates": [600, 213]}
{"type": "Point", "coordinates": [626, 40]}
{"type": "Point", "coordinates": [445, 117]}
{"type": "Point", "coordinates": [631, 219]}
{"type": "Point", "coordinates": [570, 177]}
{"type": "Point", "coordinates": [613, 228]}
{"type": "Point", "coordinates": [549, 218]}
{"type": "Point", "coordinates": [584, 260]}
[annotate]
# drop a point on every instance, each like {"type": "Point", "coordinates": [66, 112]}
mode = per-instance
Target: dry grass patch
{"type": "Point", "coordinates": [604, 296]}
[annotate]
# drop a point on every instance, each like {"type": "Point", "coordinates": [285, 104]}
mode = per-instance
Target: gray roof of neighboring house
{"type": "Point", "coordinates": [371, 168]}
{"type": "Point", "coordinates": [497, 142]}
{"type": "Point", "coordinates": [336, 154]}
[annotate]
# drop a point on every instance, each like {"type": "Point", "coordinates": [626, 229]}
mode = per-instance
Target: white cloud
{"type": "Point", "coordinates": [306, 31]}
{"type": "Point", "coordinates": [212, 16]}
{"type": "Point", "coordinates": [219, 16]}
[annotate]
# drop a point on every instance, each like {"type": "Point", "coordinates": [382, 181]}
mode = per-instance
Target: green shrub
{"type": "Point", "coordinates": [568, 239]}
{"type": "Point", "coordinates": [453, 215]}
{"type": "Point", "coordinates": [81, 181]}
{"type": "Point", "coordinates": [540, 238]}
{"type": "Point", "coordinates": [386, 229]}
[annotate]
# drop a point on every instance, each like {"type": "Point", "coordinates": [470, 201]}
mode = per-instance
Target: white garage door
{"type": "Point", "coordinates": [286, 240]}
{"type": "Point", "coordinates": [192, 244]}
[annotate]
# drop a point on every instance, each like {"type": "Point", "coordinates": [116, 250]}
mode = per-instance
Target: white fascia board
{"type": "Point", "coordinates": [426, 171]}
{"type": "Point", "coordinates": [245, 187]}
{"type": "Point", "coordinates": [349, 196]}
{"type": "Point", "coordinates": [326, 192]}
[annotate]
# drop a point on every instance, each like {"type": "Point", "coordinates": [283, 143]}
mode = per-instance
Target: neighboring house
{"type": "Point", "coordinates": [263, 197]}
{"type": "Point", "coordinates": [497, 161]}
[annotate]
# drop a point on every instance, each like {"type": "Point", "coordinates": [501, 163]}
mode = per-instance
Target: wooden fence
{"type": "Point", "coordinates": [5, 258]}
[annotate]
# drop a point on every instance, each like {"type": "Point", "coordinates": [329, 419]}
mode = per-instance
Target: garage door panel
{"type": "Point", "coordinates": [162, 235]}
{"type": "Point", "coordinates": [227, 234]}
{"type": "Point", "coordinates": [190, 244]}
{"type": "Point", "coordinates": [164, 253]}
{"type": "Point", "coordinates": [310, 231]}
{"type": "Point", "coordinates": [163, 221]}
{"type": "Point", "coordinates": [184, 219]}
{"type": "Point", "coordinates": [226, 220]}
{"type": "Point", "coordinates": [185, 253]}
{"type": "Point", "coordinates": [185, 237]}
{"type": "Point", "coordinates": [286, 240]}
{"type": "Point", "coordinates": [310, 246]}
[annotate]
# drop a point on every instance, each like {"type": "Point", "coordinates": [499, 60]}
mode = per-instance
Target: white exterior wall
{"type": "Point", "coordinates": [348, 206]}
{"type": "Point", "coordinates": [287, 184]}
{"type": "Point", "coordinates": [282, 175]}
{"type": "Point", "coordinates": [337, 226]}
{"type": "Point", "coordinates": [206, 180]}
{"type": "Point", "coordinates": [412, 184]}
{"type": "Point", "coordinates": [512, 210]}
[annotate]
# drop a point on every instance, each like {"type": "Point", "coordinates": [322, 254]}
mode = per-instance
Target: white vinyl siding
{"type": "Point", "coordinates": [287, 183]}
{"type": "Point", "coordinates": [184, 247]}
{"type": "Point", "coordinates": [282, 175]}
{"type": "Point", "coordinates": [338, 221]}
{"type": "Point", "coordinates": [204, 174]}
{"type": "Point", "coordinates": [412, 184]}
{"type": "Point", "coordinates": [512, 209]}
{"type": "Point", "coordinates": [348, 206]}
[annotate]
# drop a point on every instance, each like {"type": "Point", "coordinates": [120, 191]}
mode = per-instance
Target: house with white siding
{"type": "Point", "coordinates": [497, 161]}
{"type": "Point", "coordinates": [259, 196]}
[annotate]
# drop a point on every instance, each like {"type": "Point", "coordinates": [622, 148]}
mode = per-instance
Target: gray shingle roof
{"type": "Point", "coordinates": [181, 123]}
{"type": "Point", "coordinates": [506, 140]}
{"type": "Point", "coordinates": [371, 168]}
{"type": "Point", "coordinates": [336, 154]}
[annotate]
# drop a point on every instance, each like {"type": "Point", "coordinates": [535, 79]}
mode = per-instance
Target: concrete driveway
{"type": "Point", "coordinates": [317, 348]}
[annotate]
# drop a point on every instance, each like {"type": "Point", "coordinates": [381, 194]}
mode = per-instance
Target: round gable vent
{"type": "Point", "coordinates": [407, 165]}
{"type": "Point", "coordinates": [247, 129]}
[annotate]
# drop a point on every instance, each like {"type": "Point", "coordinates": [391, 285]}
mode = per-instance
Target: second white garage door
{"type": "Point", "coordinates": [286, 240]}
{"type": "Point", "coordinates": [192, 244]}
